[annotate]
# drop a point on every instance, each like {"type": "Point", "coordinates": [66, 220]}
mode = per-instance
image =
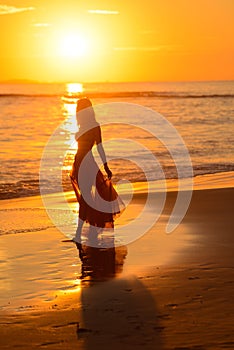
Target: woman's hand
{"type": "Point", "coordinates": [107, 170]}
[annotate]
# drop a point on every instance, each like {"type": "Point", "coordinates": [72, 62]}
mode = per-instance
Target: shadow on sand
{"type": "Point", "coordinates": [118, 312]}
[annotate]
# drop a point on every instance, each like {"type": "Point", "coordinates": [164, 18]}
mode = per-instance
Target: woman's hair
{"type": "Point", "coordinates": [85, 113]}
{"type": "Point", "coordinates": [83, 103]}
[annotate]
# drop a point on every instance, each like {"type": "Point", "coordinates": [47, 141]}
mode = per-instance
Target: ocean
{"type": "Point", "coordinates": [201, 113]}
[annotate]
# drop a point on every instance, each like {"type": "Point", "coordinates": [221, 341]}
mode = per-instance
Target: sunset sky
{"type": "Point", "coordinates": [124, 40]}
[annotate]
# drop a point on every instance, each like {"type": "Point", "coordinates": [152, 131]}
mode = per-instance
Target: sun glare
{"type": "Point", "coordinates": [73, 45]}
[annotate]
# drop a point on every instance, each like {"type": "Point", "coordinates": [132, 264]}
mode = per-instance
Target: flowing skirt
{"type": "Point", "coordinates": [98, 201]}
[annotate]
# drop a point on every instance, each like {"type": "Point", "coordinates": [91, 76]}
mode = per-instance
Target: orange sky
{"type": "Point", "coordinates": [124, 40]}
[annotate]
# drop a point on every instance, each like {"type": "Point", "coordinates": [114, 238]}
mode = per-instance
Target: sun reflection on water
{"type": "Point", "coordinates": [74, 88]}
{"type": "Point", "coordinates": [71, 127]}
{"type": "Point", "coordinates": [70, 109]}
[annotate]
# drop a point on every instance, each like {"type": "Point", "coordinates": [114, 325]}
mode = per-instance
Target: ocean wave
{"type": "Point", "coordinates": [34, 220]}
{"type": "Point", "coordinates": [121, 94]}
{"type": "Point", "coordinates": [32, 188]}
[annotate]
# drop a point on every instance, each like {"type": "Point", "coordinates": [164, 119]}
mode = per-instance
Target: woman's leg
{"type": "Point", "coordinates": [77, 237]}
{"type": "Point", "coordinates": [93, 236]}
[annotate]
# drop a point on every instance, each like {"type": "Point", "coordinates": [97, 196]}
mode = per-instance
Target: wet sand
{"type": "Point", "coordinates": [160, 292]}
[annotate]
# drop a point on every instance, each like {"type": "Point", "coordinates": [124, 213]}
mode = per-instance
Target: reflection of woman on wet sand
{"type": "Point", "coordinates": [98, 200]}
{"type": "Point", "coordinates": [101, 264]}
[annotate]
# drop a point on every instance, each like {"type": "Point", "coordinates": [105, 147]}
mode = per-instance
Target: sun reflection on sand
{"type": "Point", "coordinates": [6, 283]}
{"type": "Point", "coordinates": [74, 288]}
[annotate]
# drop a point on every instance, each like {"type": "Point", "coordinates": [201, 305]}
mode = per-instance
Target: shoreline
{"type": "Point", "coordinates": [204, 181]}
{"type": "Point", "coordinates": [166, 291]}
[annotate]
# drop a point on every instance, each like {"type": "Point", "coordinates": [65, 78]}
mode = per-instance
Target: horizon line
{"type": "Point", "coordinates": [32, 81]}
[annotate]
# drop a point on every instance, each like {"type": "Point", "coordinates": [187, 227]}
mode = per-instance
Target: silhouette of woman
{"type": "Point", "coordinates": [98, 200]}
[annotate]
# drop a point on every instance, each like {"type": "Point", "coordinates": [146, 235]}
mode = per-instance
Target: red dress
{"type": "Point", "coordinates": [98, 200]}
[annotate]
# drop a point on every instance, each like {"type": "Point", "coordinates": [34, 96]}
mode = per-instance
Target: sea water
{"type": "Point", "coordinates": [201, 112]}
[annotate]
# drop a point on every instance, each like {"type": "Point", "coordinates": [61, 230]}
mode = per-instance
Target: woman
{"type": "Point", "coordinates": [98, 200]}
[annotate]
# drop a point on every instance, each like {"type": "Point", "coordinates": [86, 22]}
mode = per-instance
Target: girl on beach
{"type": "Point", "coordinates": [98, 200]}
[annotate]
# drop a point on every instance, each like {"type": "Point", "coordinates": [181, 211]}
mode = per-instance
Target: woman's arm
{"type": "Point", "coordinates": [102, 153]}
{"type": "Point", "coordinates": [77, 135]}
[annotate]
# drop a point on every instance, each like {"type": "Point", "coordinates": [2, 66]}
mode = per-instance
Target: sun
{"type": "Point", "coordinates": [73, 45]}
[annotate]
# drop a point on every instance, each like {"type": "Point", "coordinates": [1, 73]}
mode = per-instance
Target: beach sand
{"type": "Point", "coordinates": [160, 292]}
